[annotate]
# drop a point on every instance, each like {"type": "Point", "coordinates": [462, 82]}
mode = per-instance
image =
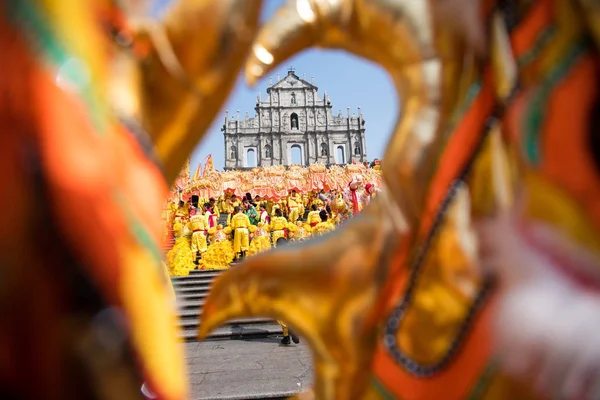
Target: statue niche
{"type": "Point", "coordinates": [294, 121]}
{"type": "Point", "coordinates": [324, 152]}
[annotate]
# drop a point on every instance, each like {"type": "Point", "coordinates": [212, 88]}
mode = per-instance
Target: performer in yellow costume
{"type": "Point", "coordinates": [182, 213]}
{"type": "Point", "coordinates": [240, 223]}
{"type": "Point", "coordinates": [279, 226]}
{"type": "Point", "coordinates": [220, 253]}
{"type": "Point", "coordinates": [232, 204]}
{"type": "Point", "coordinates": [324, 226]}
{"type": "Point", "coordinates": [260, 240]}
{"type": "Point", "coordinates": [199, 228]}
{"type": "Point", "coordinates": [313, 217]}
{"type": "Point", "coordinates": [301, 208]}
{"type": "Point", "coordinates": [293, 207]}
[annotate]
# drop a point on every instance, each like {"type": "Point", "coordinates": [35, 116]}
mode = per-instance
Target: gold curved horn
{"type": "Point", "coordinates": [197, 52]}
{"type": "Point", "coordinates": [404, 38]}
{"type": "Point", "coordinates": [328, 289]}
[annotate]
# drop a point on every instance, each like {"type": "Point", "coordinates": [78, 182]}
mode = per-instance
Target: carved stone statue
{"type": "Point", "coordinates": [320, 117]}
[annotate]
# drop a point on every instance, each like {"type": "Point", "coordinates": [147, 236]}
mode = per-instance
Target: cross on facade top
{"type": "Point", "coordinates": [291, 69]}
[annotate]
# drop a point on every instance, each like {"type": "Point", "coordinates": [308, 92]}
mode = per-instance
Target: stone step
{"type": "Point", "coordinates": [189, 314]}
{"type": "Point", "coordinates": [197, 295]}
{"type": "Point", "coordinates": [195, 322]}
{"type": "Point", "coordinates": [191, 282]}
{"type": "Point", "coordinates": [235, 331]}
{"type": "Point", "coordinates": [194, 304]}
{"type": "Point", "coordinates": [192, 289]}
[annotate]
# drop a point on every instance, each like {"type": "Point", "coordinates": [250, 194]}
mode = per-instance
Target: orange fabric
{"type": "Point", "coordinates": [76, 168]}
{"type": "Point", "coordinates": [534, 23]}
{"type": "Point", "coordinates": [459, 149]}
{"type": "Point", "coordinates": [454, 382]}
{"type": "Point", "coordinates": [460, 377]}
{"type": "Point", "coordinates": [566, 159]}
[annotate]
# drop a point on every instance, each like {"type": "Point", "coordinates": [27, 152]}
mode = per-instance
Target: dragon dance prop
{"type": "Point", "coordinates": [274, 182]}
{"type": "Point", "coordinates": [98, 112]}
{"type": "Point", "coordinates": [475, 272]}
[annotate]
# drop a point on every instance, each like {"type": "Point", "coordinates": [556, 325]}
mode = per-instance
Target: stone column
{"type": "Point", "coordinates": [350, 156]}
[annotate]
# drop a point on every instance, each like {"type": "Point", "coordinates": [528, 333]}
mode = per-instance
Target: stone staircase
{"type": "Point", "coordinates": [191, 292]}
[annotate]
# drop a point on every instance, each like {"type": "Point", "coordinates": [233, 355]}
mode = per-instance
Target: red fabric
{"type": "Point", "coordinates": [355, 208]}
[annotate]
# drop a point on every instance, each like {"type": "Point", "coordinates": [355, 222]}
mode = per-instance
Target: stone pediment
{"type": "Point", "coordinates": [292, 81]}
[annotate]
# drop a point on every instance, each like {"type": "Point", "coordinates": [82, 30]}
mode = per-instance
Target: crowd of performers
{"type": "Point", "coordinates": [204, 240]}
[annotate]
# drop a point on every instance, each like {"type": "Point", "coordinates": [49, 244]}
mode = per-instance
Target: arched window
{"type": "Point", "coordinates": [250, 158]}
{"type": "Point", "coordinates": [268, 151]}
{"type": "Point", "coordinates": [340, 158]}
{"type": "Point", "coordinates": [324, 152]}
{"type": "Point", "coordinates": [357, 149]}
{"type": "Point", "coordinates": [297, 155]}
{"type": "Point", "coordinates": [294, 121]}
{"type": "Point", "coordinates": [233, 154]}
{"type": "Point", "coordinates": [293, 98]}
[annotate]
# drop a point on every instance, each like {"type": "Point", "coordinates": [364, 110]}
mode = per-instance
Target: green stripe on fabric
{"type": "Point", "coordinates": [535, 115]}
{"type": "Point", "coordinates": [381, 390]}
{"type": "Point", "coordinates": [140, 233]}
{"type": "Point", "coordinates": [43, 38]}
{"type": "Point", "coordinates": [484, 381]}
{"type": "Point", "coordinates": [540, 42]}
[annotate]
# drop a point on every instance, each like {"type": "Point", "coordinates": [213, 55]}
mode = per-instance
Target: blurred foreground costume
{"type": "Point", "coordinates": [96, 121]}
{"type": "Point", "coordinates": [474, 273]}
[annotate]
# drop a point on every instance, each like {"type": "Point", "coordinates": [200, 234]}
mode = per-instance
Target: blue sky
{"type": "Point", "coordinates": [348, 80]}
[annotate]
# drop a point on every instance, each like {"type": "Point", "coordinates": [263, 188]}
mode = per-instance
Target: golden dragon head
{"type": "Point", "coordinates": [195, 54]}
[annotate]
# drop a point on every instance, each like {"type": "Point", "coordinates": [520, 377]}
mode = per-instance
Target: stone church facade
{"type": "Point", "coordinates": [293, 125]}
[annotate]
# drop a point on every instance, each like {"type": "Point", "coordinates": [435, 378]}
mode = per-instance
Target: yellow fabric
{"type": "Point", "coordinates": [198, 222]}
{"type": "Point", "coordinates": [154, 323]}
{"type": "Point", "coordinates": [313, 217]}
{"type": "Point", "coordinates": [278, 223]}
{"type": "Point", "coordinates": [301, 233]}
{"type": "Point", "coordinates": [180, 258]}
{"type": "Point", "coordinates": [260, 242]}
{"type": "Point", "coordinates": [219, 254]}
{"type": "Point", "coordinates": [241, 240]}
{"type": "Point", "coordinates": [198, 242]}
{"type": "Point", "coordinates": [300, 202]}
{"type": "Point", "coordinates": [550, 205]}
{"type": "Point", "coordinates": [284, 328]}
{"type": "Point", "coordinates": [294, 214]}
{"type": "Point", "coordinates": [322, 228]}
{"type": "Point", "coordinates": [277, 234]}
{"type": "Point", "coordinates": [240, 224]}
